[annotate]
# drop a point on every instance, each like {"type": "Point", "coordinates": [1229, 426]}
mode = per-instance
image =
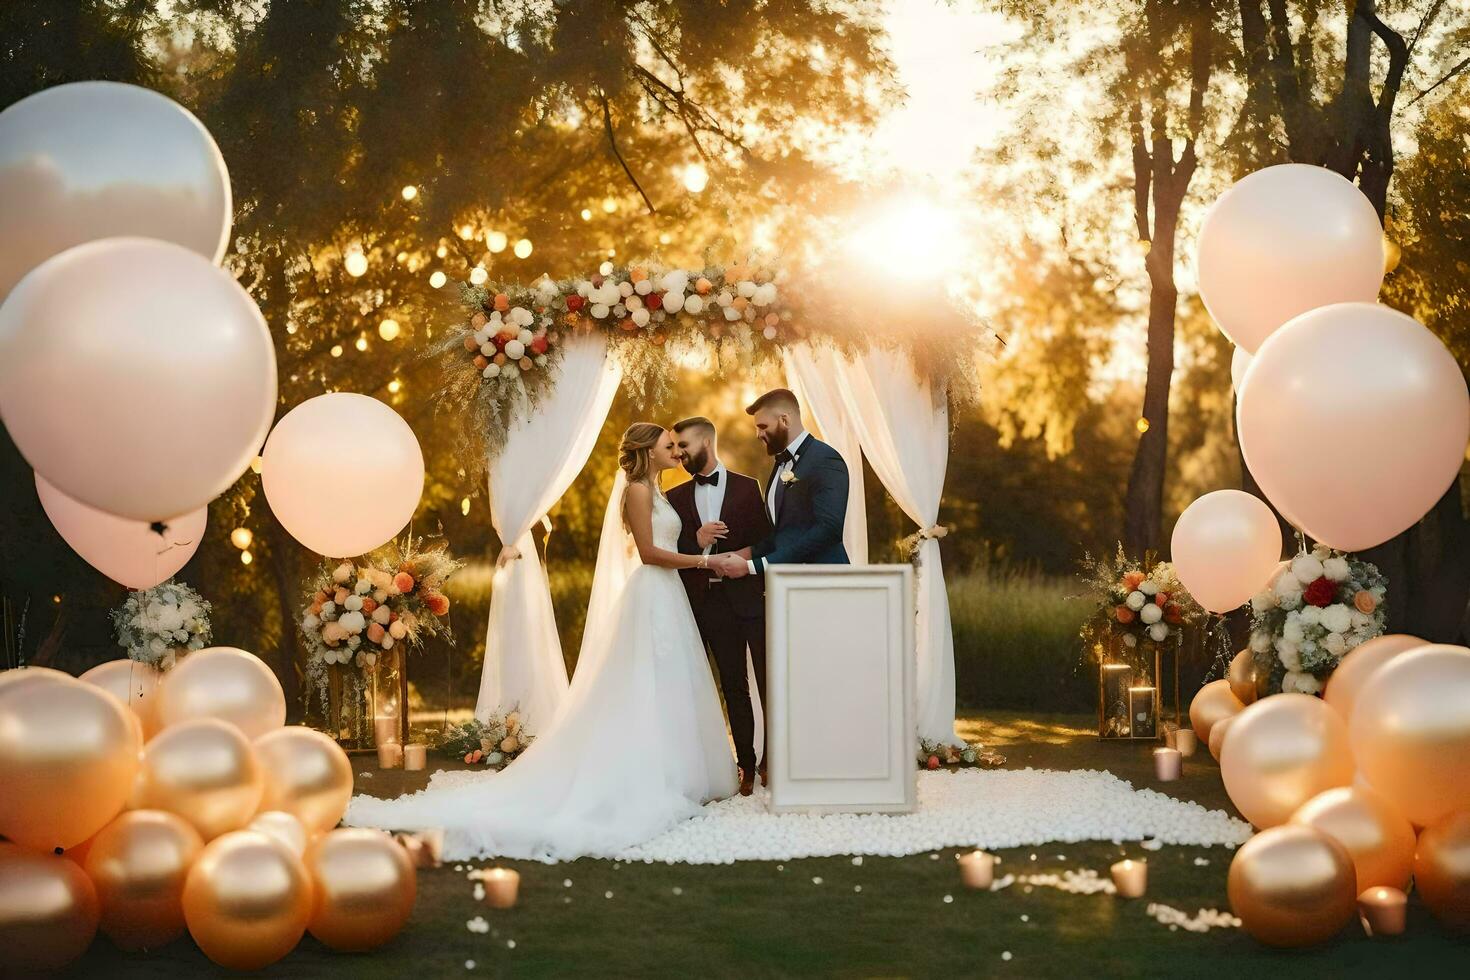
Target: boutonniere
{"type": "Point", "coordinates": [788, 477]}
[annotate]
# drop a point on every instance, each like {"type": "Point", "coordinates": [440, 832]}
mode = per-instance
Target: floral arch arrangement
{"type": "Point", "coordinates": [500, 358]}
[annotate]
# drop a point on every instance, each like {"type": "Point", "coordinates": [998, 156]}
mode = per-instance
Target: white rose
{"type": "Point", "coordinates": [732, 314]}
{"type": "Point", "coordinates": [745, 288]}
{"type": "Point", "coordinates": [515, 350]}
{"type": "Point", "coordinates": [583, 288]}
{"type": "Point", "coordinates": [1300, 682]}
{"type": "Point", "coordinates": [492, 370]}
{"type": "Point", "coordinates": [388, 642]}
{"type": "Point", "coordinates": [620, 310]}
{"type": "Point", "coordinates": [380, 596]}
{"type": "Point", "coordinates": [1135, 600]}
{"type": "Point", "coordinates": [353, 642]}
{"type": "Point", "coordinates": [724, 298]}
{"type": "Point", "coordinates": [1129, 640]}
{"type": "Point", "coordinates": [353, 603]}
{"type": "Point", "coordinates": [1158, 631]}
{"type": "Point", "coordinates": [363, 587]}
{"type": "Point", "coordinates": [1149, 588]}
{"type": "Point", "coordinates": [381, 615]}
{"type": "Point", "coordinates": [599, 310]}
{"type": "Point", "coordinates": [488, 349]}
{"type": "Point", "coordinates": [640, 317]}
{"type": "Point", "coordinates": [625, 288]}
{"type": "Point", "coordinates": [1361, 620]}
{"type": "Point", "coordinates": [352, 622]}
{"type": "Point", "coordinates": [1262, 601]}
{"type": "Point", "coordinates": [1338, 618]}
{"type": "Point", "coordinates": [1310, 615]}
{"type": "Point", "coordinates": [329, 610]}
{"type": "Point", "coordinates": [189, 610]}
{"type": "Point", "coordinates": [1290, 655]}
{"type": "Point", "coordinates": [644, 288]}
{"type": "Point", "coordinates": [1293, 631]}
{"type": "Point", "coordinates": [525, 337]}
{"type": "Point", "coordinates": [1289, 600]}
{"type": "Point", "coordinates": [673, 302]}
{"type": "Point", "coordinates": [310, 622]}
{"type": "Point", "coordinates": [1260, 641]}
{"type": "Point", "coordinates": [342, 572]}
{"type": "Point", "coordinates": [1306, 568]}
{"type": "Point", "coordinates": [1335, 644]}
{"type": "Point", "coordinates": [157, 646]}
{"type": "Point", "coordinates": [1336, 569]}
{"type": "Point", "coordinates": [1150, 613]}
{"type": "Point", "coordinates": [397, 630]}
{"type": "Point", "coordinates": [694, 304]}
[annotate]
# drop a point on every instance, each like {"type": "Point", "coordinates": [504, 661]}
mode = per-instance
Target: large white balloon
{"type": "Point", "coordinates": [343, 473]}
{"type": "Point", "coordinates": [96, 160]}
{"type": "Point", "coordinates": [1354, 420]}
{"type": "Point", "coordinates": [1282, 241]}
{"type": "Point", "coordinates": [135, 376]}
{"type": "Point", "coordinates": [131, 553]}
{"type": "Point", "coordinates": [1225, 547]}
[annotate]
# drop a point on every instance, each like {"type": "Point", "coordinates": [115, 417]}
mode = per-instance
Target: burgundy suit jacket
{"type": "Point", "coordinates": [744, 512]}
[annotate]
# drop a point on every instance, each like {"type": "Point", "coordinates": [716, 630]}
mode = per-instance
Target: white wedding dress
{"type": "Point", "coordinates": [639, 746]}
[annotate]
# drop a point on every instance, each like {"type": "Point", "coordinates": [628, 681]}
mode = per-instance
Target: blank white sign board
{"type": "Point", "coordinates": [840, 677]}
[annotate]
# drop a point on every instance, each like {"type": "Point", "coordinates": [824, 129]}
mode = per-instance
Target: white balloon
{"type": "Point", "coordinates": [343, 473]}
{"type": "Point", "coordinates": [135, 376]}
{"type": "Point", "coordinates": [94, 160]}
{"type": "Point", "coordinates": [1226, 545]}
{"type": "Point", "coordinates": [1240, 362]}
{"type": "Point", "coordinates": [1354, 420]}
{"type": "Point", "coordinates": [1282, 241]}
{"type": "Point", "coordinates": [131, 553]}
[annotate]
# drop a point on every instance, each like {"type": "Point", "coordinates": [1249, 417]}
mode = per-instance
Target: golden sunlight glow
{"type": "Point", "coordinates": [466, 232]}
{"type": "Point", "coordinates": [523, 248]}
{"type": "Point", "coordinates": [410, 192]}
{"type": "Point", "coordinates": [497, 241]}
{"type": "Point", "coordinates": [356, 263]}
{"type": "Point", "coordinates": [696, 178]}
{"type": "Point", "coordinates": [241, 537]}
{"type": "Point", "coordinates": [388, 329]}
{"type": "Point", "coordinates": [911, 237]}
{"type": "Point", "coordinates": [438, 279]}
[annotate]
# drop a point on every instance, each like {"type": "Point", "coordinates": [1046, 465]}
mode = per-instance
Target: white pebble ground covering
{"type": "Point", "coordinates": [966, 808]}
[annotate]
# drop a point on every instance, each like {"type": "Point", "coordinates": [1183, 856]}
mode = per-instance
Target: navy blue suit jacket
{"type": "Point", "coordinates": [811, 512]}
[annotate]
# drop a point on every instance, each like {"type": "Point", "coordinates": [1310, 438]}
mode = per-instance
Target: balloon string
{"type": "Point", "coordinates": [1218, 639]}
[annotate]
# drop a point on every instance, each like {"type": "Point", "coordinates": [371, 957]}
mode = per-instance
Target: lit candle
{"type": "Point", "coordinates": [977, 869]}
{"type": "Point", "coordinates": [1186, 742]}
{"type": "Point", "coordinates": [415, 756]}
{"type": "Point", "coordinates": [385, 730]}
{"type": "Point", "coordinates": [390, 755]}
{"type": "Point", "coordinates": [1382, 910]}
{"type": "Point", "coordinates": [1130, 878]}
{"type": "Point", "coordinates": [1168, 764]}
{"type": "Point", "coordinates": [501, 886]}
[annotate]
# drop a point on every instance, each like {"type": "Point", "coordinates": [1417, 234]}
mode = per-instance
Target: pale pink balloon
{"type": "Point", "coordinates": [1282, 241]}
{"type": "Point", "coordinates": [1354, 670]}
{"type": "Point", "coordinates": [1226, 546]}
{"type": "Point", "coordinates": [129, 552]}
{"type": "Point", "coordinates": [1354, 419]}
{"type": "Point", "coordinates": [1240, 362]}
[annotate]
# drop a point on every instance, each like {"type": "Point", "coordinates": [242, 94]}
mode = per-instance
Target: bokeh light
{"type": "Point", "coordinates": [388, 329]}
{"type": "Point", "coordinates": [410, 192]}
{"type": "Point", "coordinates": [523, 248]}
{"type": "Point", "coordinates": [356, 263]}
{"type": "Point", "coordinates": [497, 241]}
{"type": "Point", "coordinates": [241, 537]}
{"type": "Point", "coordinates": [438, 279]}
{"type": "Point", "coordinates": [696, 178]}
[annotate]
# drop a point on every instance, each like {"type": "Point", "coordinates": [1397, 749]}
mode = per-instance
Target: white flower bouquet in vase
{"type": "Point", "coordinates": [156, 626]}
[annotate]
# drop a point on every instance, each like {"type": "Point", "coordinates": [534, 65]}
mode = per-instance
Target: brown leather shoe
{"type": "Point", "coordinates": [765, 779]}
{"type": "Point", "coordinates": [747, 783]}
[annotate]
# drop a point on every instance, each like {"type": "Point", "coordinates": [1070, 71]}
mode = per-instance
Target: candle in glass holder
{"type": "Point", "coordinates": [385, 730]}
{"type": "Point", "coordinates": [1130, 878]}
{"type": "Point", "coordinates": [390, 755]}
{"type": "Point", "coordinates": [1186, 742]}
{"type": "Point", "coordinates": [1382, 910]}
{"type": "Point", "coordinates": [415, 756]}
{"type": "Point", "coordinates": [1168, 764]}
{"type": "Point", "coordinates": [977, 869]}
{"type": "Point", "coordinates": [501, 887]}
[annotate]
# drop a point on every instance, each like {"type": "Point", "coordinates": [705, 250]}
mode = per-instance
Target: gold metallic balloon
{"type": "Point", "coordinates": [1411, 732]}
{"type": "Point", "coordinates": [1292, 886]}
{"type": "Point", "coordinates": [48, 911]}
{"type": "Point", "coordinates": [225, 683]}
{"type": "Point", "coordinates": [1352, 673]}
{"type": "Point", "coordinates": [246, 900]}
{"type": "Point", "coordinates": [1442, 870]}
{"type": "Point", "coordinates": [1377, 836]}
{"type": "Point", "coordinates": [139, 863]}
{"type": "Point", "coordinates": [1279, 753]}
{"type": "Point", "coordinates": [68, 754]}
{"type": "Point", "coordinates": [364, 891]}
{"type": "Point", "coordinates": [134, 684]}
{"type": "Point", "coordinates": [1217, 734]}
{"type": "Point", "coordinates": [284, 827]}
{"type": "Point", "coordinates": [306, 774]}
{"type": "Point", "coordinates": [205, 771]}
{"type": "Point", "coordinates": [1214, 701]}
{"type": "Point", "coordinates": [1242, 677]}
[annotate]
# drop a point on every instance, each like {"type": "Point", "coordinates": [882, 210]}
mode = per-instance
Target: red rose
{"type": "Point", "coordinates": [1322, 592]}
{"type": "Point", "coordinates": [1173, 614]}
{"type": "Point", "coordinates": [933, 762]}
{"type": "Point", "coordinates": [539, 345]}
{"type": "Point", "coordinates": [575, 303]}
{"type": "Point", "coordinates": [654, 301]}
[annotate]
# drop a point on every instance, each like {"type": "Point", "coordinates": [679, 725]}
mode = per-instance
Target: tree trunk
{"type": "Point", "coordinates": [1144, 504]}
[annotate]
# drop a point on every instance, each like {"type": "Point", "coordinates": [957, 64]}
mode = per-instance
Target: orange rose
{"type": "Point", "coordinates": [479, 320]}
{"type": "Point", "coordinates": [527, 364]}
{"type": "Point", "coordinates": [637, 275]}
{"type": "Point", "coordinates": [1162, 598]}
{"type": "Point", "coordinates": [502, 302]}
{"type": "Point", "coordinates": [1364, 602]}
{"type": "Point", "coordinates": [470, 343]}
{"type": "Point", "coordinates": [702, 286]}
{"type": "Point", "coordinates": [375, 632]}
{"type": "Point", "coordinates": [772, 319]}
{"type": "Point", "coordinates": [1125, 615]}
{"type": "Point", "coordinates": [403, 582]}
{"type": "Point", "coordinates": [436, 602]}
{"type": "Point", "coordinates": [481, 362]}
{"type": "Point", "coordinates": [368, 605]}
{"type": "Point", "coordinates": [740, 303]}
{"type": "Point", "coordinates": [1133, 580]}
{"type": "Point", "coordinates": [498, 359]}
{"type": "Point", "coordinates": [340, 596]}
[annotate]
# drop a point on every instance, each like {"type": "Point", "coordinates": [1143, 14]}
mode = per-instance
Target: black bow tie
{"type": "Point", "coordinates": [784, 456]}
{"type": "Point", "coordinates": [713, 480]}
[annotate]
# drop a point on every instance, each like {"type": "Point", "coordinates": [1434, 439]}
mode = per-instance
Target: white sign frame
{"type": "Point", "coordinates": [840, 663]}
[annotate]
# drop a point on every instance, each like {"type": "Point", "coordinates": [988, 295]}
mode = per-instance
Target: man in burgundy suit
{"type": "Point", "coordinates": [723, 512]}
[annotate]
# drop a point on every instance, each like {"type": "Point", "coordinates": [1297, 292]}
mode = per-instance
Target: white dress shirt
{"type": "Point", "coordinates": [709, 499]}
{"type": "Point", "coordinates": [793, 446]}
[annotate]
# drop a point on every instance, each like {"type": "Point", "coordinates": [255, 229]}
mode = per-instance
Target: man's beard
{"type": "Point", "coordinates": [777, 438]}
{"type": "Point", "coordinates": [695, 462]}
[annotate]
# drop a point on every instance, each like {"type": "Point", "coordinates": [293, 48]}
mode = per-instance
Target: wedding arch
{"type": "Point", "coordinates": [531, 370]}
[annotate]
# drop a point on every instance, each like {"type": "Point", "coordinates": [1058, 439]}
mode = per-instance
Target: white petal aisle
{"type": "Point", "coordinates": [966, 808]}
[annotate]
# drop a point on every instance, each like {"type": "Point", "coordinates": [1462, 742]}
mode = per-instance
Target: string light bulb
{"type": "Point", "coordinates": [410, 192]}
{"type": "Point", "coordinates": [438, 279]}
{"type": "Point", "coordinates": [497, 241]}
{"type": "Point", "coordinates": [241, 537]}
{"type": "Point", "coordinates": [336, 350]}
{"type": "Point", "coordinates": [523, 248]}
{"type": "Point", "coordinates": [464, 506]}
{"type": "Point", "coordinates": [395, 386]}
{"type": "Point", "coordinates": [478, 275]}
{"type": "Point", "coordinates": [586, 214]}
{"type": "Point", "coordinates": [361, 343]}
{"type": "Point", "coordinates": [356, 263]}
{"type": "Point", "coordinates": [388, 329]}
{"type": "Point", "coordinates": [246, 558]}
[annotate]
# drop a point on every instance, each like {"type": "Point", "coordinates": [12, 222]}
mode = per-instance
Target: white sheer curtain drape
{"type": "Point", "coordinates": [814, 375]}
{"type": "Point", "coordinates": [903, 424]}
{"type": "Point", "coordinates": [544, 451]}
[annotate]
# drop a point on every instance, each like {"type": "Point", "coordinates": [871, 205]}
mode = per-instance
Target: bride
{"type": "Point", "coordinates": [640, 742]}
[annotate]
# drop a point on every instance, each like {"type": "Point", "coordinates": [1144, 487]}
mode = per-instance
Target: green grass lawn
{"type": "Point", "coordinates": [884, 917]}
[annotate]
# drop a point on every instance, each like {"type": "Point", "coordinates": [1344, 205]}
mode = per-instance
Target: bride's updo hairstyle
{"type": "Point", "coordinates": [633, 451]}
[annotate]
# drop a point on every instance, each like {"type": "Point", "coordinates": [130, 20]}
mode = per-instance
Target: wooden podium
{"type": "Point", "coordinates": [840, 665]}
